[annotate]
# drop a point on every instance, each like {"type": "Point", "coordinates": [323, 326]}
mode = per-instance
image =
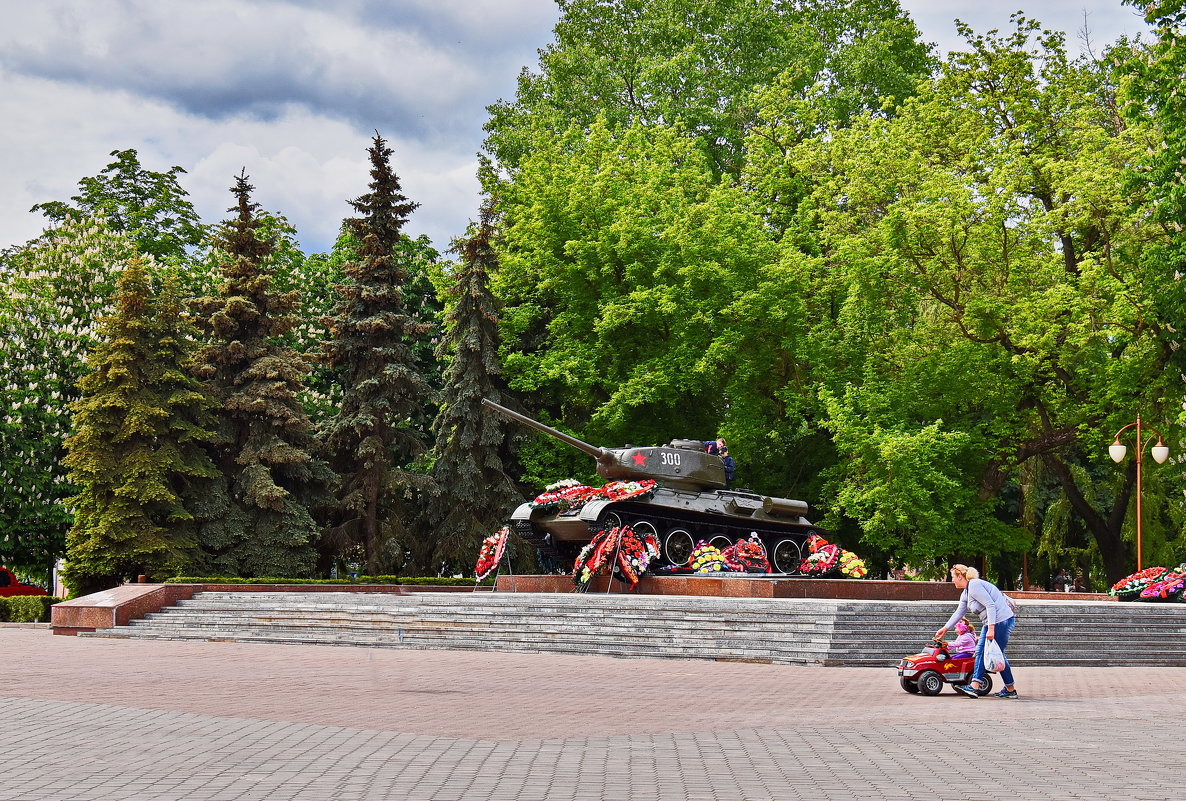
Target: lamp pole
{"type": "Point", "coordinates": [1117, 451]}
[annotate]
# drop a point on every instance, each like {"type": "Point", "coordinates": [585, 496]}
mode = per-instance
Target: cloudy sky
{"type": "Point", "coordinates": [292, 90]}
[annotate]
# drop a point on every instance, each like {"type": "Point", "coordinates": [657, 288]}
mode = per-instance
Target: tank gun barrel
{"type": "Point", "coordinates": [600, 454]}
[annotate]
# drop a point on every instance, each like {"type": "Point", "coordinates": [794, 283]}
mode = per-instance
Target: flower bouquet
{"type": "Point", "coordinates": [707, 559]}
{"type": "Point", "coordinates": [491, 553]}
{"type": "Point", "coordinates": [747, 556]}
{"type": "Point", "coordinates": [821, 562]}
{"type": "Point", "coordinates": [1129, 588]}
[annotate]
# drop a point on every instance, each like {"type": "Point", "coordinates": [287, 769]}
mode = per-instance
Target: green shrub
{"type": "Point", "coordinates": [27, 608]}
{"type": "Point", "coordinates": [433, 581]}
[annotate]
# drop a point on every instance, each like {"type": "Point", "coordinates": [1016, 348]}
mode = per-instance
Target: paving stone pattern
{"type": "Point", "coordinates": [132, 720]}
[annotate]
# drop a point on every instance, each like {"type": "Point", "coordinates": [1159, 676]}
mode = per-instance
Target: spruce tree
{"type": "Point", "coordinates": [374, 437]}
{"type": "Point", "coordinates": [137, 454]}
{"type": "Point", "coordinates": [470, 439]}
{"type": "Point", "coordinates": [264, 444]}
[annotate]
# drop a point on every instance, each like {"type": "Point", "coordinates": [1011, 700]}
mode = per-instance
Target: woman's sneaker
{"type": "Point", "coordinates": [968, 690]}
{"type": "Point", "coordinates": [1007, 694]}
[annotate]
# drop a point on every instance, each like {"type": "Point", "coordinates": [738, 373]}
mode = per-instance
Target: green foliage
{"type": "Point", "coordinates": [137, 452]}
{"type": "Point", "coordinates": [984, 269]}
{"type": "Point", "coordinates": [27, 608]}
{"type": "Point", "coordinates": [149, 207]}
{"type": "Point", "coordinates": [264, 440]}
{"type": "Point", "coordinates": [470, 458]}
{"type": "Point", "coordinates": [52, 292]}
{"type": "Point", "coordinates": [410, 581]}
{"type": "Point", "coordinates": [613, 281]}
{"type": "Point", "coordinates": [375, 435]}
{"type": "Point", "coordinates": [660, 63]}
{"type": "Point", "coordinates": [1152, 92]}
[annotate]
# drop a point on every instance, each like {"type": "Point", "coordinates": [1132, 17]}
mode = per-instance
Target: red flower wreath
{"type": "Point", "coordinates": [491, 553]}
{"type": "Point", "coordinates": [747, 556]}
{"type": "Point", "coordinates": [595, 556]}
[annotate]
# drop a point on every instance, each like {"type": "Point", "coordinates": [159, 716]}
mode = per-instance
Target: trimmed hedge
{"type": "Point", "coordinates": [27, 608]}
{"type": "Point", "coordinates": [423, 581]}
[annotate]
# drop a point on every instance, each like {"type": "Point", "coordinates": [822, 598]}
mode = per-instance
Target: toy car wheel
{"type": "Point", "coordinates": [908, 685]}
{"type": "Point", "coordinates": [930, 683]}
{"type": "Point", "coordinates": [985, 685]}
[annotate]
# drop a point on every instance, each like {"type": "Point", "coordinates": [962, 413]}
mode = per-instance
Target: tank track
{"type": "Point", "coordinates": [708, 528]}
{"type": "Point", "coordinates": [539, 539]}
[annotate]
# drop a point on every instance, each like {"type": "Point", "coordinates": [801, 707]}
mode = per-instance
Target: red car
{"type": "Point", "coordinates": [928, 671]}
{"type": "Point", "coordinates": [9, 586]}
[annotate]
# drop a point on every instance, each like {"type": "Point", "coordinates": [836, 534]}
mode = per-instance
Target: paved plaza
{"type": "Point", "coordinates": [85, 719]}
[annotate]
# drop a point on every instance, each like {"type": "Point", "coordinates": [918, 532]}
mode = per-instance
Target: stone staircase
{"type": "Point", "coordinates": [786, 631]}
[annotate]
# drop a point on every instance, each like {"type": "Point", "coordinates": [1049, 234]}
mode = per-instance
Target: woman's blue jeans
{"type": "Point", "coordinates": [1002, 631]}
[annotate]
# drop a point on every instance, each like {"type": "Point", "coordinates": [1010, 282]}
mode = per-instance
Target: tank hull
{"type": "Point", "coordinates": [680, 519]}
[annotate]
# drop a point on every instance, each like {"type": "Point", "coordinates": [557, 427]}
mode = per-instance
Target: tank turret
{"type": "Point", "coordinates": [689, 505]}
{"type": "Point", "coordinates": [682, 463]}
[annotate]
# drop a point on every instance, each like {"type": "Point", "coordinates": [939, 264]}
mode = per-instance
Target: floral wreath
{"type": "Point", "coordinates": [570, 494]}
{"type": "Point", "coordinates": [1168, 588]}
{"type": "Point", "coordinates": [1132, 585]}
{"type": "Point", "coordinates": [491, 553]}
{"type": "Point", "coordinates": [747, 556]}
{"type": "Point", "coordinates": [635, 555]}
{"type": "Point", "coordinates": [595, 556]}
{"type": "Point", "coordinates": [821, 561]}
{"type": "Point", "coordinates": [852, 565]}
{"type": "Point", "coordinates": [707, 559]}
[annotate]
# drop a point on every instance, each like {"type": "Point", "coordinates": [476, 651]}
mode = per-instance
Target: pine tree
{"type": "Point", "coordinates": [374, 437]}
{"type": "Point", "coordinates": [469, 456]}
{"type": "Point", "coordinates": [264, 444]}
{"type": "Point", "coordinates": [137, 454]}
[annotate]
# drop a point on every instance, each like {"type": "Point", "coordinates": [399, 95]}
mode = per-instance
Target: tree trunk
{"type": "Point", "coordinates": [372, 530]}
{"type": "Point", "coordinates": [1105, 530]}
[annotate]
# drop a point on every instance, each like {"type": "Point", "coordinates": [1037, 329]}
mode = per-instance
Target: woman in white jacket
{"type": "Point", "coordinates": [996, 616]}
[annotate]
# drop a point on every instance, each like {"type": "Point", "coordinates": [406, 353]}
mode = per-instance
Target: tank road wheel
{"type": "Point", "coordinates": [786, 556]}
{"type": "Point", "coordinates": [930, 683]}
{"type": "Point", "coordinates": [678, 546]}
{"type": "Point", "coordinates": [612, 520]}
{"type": "Point", "coordinates": [719, 541]}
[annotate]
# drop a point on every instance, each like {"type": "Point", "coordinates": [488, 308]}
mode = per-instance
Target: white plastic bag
{"type": "Point", "coordinates": [994, 657]}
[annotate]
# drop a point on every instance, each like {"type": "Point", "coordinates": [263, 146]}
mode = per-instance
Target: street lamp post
{"type": "Point", "coordinates": [1117, 451]}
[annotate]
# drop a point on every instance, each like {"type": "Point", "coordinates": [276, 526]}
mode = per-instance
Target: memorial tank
{"type": "Point", "coordinates": [689, 504]}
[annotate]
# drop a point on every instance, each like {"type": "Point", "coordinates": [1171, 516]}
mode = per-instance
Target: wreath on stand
{"type": "Point", "coordinates": [491, 553]}
{"type": "Point", "coordinates": [635, 555]}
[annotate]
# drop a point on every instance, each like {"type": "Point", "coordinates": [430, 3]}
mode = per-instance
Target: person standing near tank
{"type": "Point", "coordinates": [730, 466]}
{"type": "Point", "coordinates": [997, 620]}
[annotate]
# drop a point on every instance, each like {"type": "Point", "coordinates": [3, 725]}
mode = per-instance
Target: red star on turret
{"type": "Point", "coordinates": [640, 459]}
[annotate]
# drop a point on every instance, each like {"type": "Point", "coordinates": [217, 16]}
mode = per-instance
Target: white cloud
{"type": "Point", "coordinates": [292, 90]}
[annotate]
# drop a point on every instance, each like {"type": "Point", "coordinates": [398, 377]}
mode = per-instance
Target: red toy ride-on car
{"type": "Point", "coordinates": [10, 587]}
{"type": "Point", "coordinates": [928, 671]}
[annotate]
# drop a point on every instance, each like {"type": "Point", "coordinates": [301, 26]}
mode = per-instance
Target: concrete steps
{"type": "Point", "coordinates": [791, 631]}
